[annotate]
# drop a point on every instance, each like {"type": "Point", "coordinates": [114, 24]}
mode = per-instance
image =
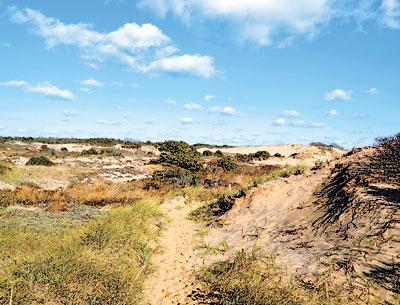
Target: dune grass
{"type": "Point", "coordinates": [254, 278]}
{"type": "Point", "coordinates": [101, 262]}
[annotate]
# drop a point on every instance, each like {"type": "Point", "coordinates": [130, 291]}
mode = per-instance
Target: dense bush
{"type": "Point", "coordinates": [227, 163]}
{"type": "Point", "coordinates": [262, 155]}
{"type": "Point", "coordinates": [175, 176]}
{"type": "Point", "coordinates": [42, 160]}
{"type": "Point", "coordinates": [89, 152]}
{"type": "Point", "coordinates": [180, 154]}
{"type": "Point", "coordinates": [207, 153]}
{"type": "Point", "coordinates": [218, 153]}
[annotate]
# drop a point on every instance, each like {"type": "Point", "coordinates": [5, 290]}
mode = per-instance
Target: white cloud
{"type": "Point", "coordinates": [279, 22]}
{"type": "Point", "coordinates": [150, 122]}
{"type": "Point", "coordinates": [70, 112]}
{"type": "Point", "coordinates": [391, 13]}
{"type": "Point", "coordinates": [259, 20]}
{"type": "Point", "coordinates": [171, 101]}
{"type": "Point", "coordinates": [143, 48]}
{"type": "Point", "coordinates": [92, 82]}
{"type": "Point", "coordinates": [117, 84]}
{"type": "Point", "coordinates": [332, 112]}
{"type": "Point", "coordinates": [108, 123]}
{"type": "Point", "coordinates": [279, 122]}
{"type": "Point", "coordinates": [209, 97]}
{"type": "Point", "coordinates": [187, 121]}
{"type": "Point", "coordinates": [373, 91]}
{"type": "Point", "coordinates": [338, 94]}
{"type": "Point", "coordinates": [135, 85]}
{"type": "Point", "coordinates": [290, 113]}
{"type": "Point", "coordinates": [45, 88]}
{"type": "Point", "coordinates": [86, 90]}
{"type": "Point", "coordinates": [302, 123]}
{"type": "Point", "coordinates": [227, 110]}
{"type": "Point", "coordinates": [2, 126]}
{"type": "Point", "coordinates": [196, 65]}
{"type": "Point", "coordinates": [192, 106]}
{"type": "Point", "coordinates": [5, 45]}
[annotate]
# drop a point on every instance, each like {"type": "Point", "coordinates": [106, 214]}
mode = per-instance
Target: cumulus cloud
{"type": "Point", "coordinates": [108, 123]}
{"type": "Point", "coordinates": [171, 101]}
{"type": "Point", "coordinates": [259, 20]}
{"type": "Point", "coordinates": [45, 88]}
{"type": "Point", "coordinates": [391, 13]}
{"type": "Point", "coordinates": [373, 91]}
{"type": "Point", "coordinates": [143, 48]}
{"type": "Point", "coordinates": [196, 65]}
{"type": "Point", "coordinates": [209, 97]}
{"type": "Point", "coordinates": [70, 112]}
{"type": "Point", "coordinates": [227, 110]}
{"type": "Point", "coordinates": [279, 122]}
{"type": "Point", "coordinates": [5, 45]}
{"type": "Point", "coordinates": [92, 82]}
{"type": "Point", "coordinates": [192, 106]}
{"type": "Point", "coordinates": [332, 112]}
{"type": "Point", "coordinates": [279, 22]}
{"type": "Point", "coordinates": [187, 121]}
{"type": "Point", "coordinates": [338, 94]}
{"type": "Point", "coordinates": [290, 113]}
{"type": "Point", "coordinates": [302, 123]}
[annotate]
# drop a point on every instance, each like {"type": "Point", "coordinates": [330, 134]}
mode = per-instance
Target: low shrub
{"type": "Point", "coordinates": [89, 152]}
{"type": "Point", "coordinates": [64, 149]}
{"type": "Point", "coordinates": [219, 153]}
{"type": "Point", "coordinates": [173, 176]}
{"type": "Point", "coordinates": [227, 163]}
{"type": "Point", "coordinates": [42, 160]}
{"type": "Point", "coordinates": [207, 153]}
{"type": "Point", "coordinates": [278, 155]}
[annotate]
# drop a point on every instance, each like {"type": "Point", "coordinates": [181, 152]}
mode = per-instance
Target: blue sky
{"type": "Point", "coordinates": [218, 71]}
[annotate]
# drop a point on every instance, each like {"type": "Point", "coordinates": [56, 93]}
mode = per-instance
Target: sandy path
{"type": "Point", "coordinates": [176, 261]}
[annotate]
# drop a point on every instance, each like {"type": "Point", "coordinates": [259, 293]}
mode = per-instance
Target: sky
{"type": "Point", "coordinates": [238, 72]}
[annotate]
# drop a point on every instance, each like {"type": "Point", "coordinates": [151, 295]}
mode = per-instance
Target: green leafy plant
{"type": "Point", "coordinates": [42, 160]}
{"type": "Point", "coordinates": [227, 163]}
{"type": "Point", "coordinates": [180, 154]}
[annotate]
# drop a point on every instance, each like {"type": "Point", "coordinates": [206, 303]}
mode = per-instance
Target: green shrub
{"type": "Point", "coordinates": [262, 155]}
{"type": "Point", "coordinates": [278, 155]}
{"type": "Point", "coordinates": [111, 152]}
{"type": "Point", "coordinates": [89, 152]}
{"type": "Point", "coordinates": [180, 154]}
{"type": "Point", "coordinates": [219, 153]}
{"type": "Point", "coordinates": [42, 160]}
{"type": "Point", "coordinates": [207, 153]}
{"type": "Point", "coordinates": [175, 176]}
{"type": "Point", "coordinates": [227, 163]}
{"type": "Point", "coordinates": [64, 149]}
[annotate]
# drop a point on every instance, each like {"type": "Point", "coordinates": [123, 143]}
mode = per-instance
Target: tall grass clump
{"type": "Point", "coordinates": [254, 278]}
{"type": "Point", "coordinates": [103, 262]}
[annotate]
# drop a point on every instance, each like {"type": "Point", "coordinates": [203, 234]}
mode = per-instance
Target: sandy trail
{"type": "Point", "coordinates": [260, 219]}
{"type": "Point", "coordinates": [176, 261]}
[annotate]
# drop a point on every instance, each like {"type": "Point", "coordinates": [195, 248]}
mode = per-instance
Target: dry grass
{"type": "Point", "coordinates": [98, 193]}
{"type": "Point", "coordinates": [103, 262]}
{"type": "Point", "coordinates": [253, 278]}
